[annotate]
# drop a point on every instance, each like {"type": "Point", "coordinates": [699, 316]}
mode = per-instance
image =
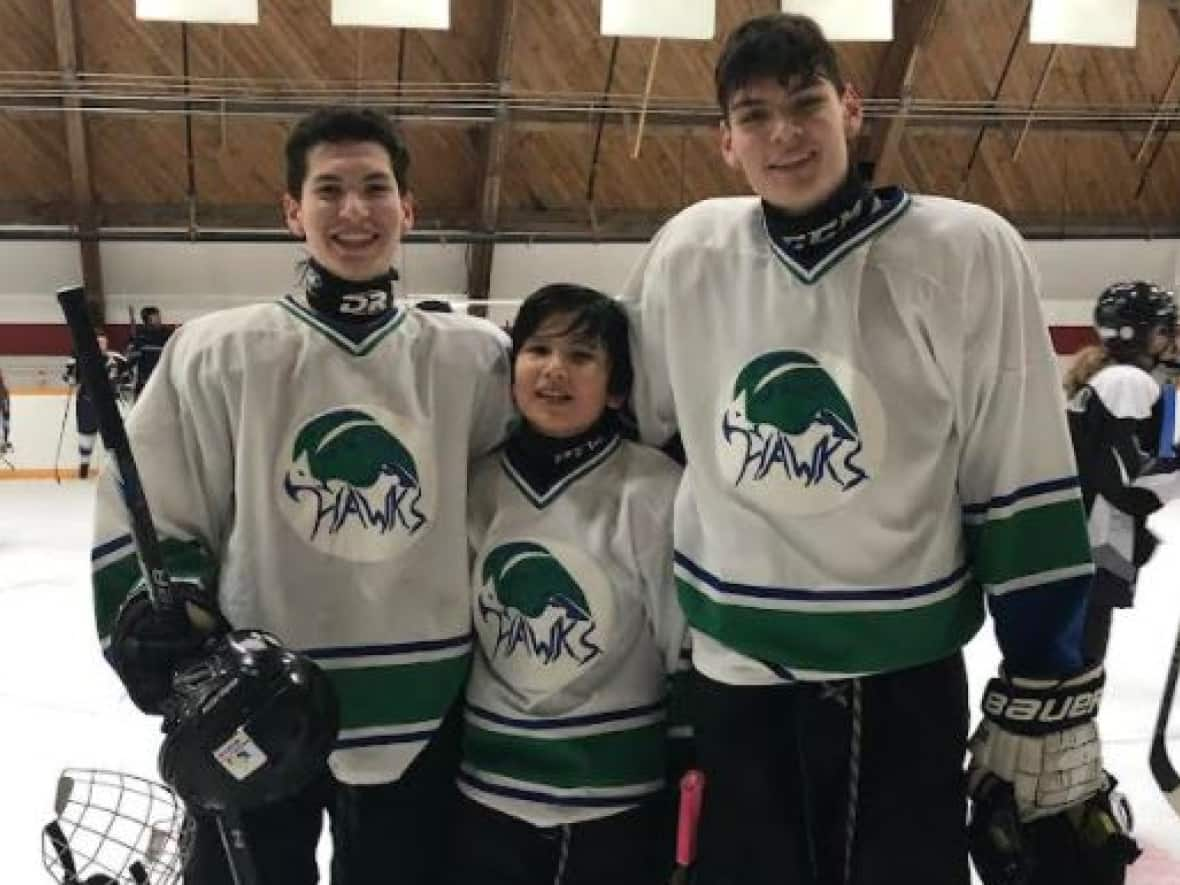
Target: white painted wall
{"type": "Point", "coordinates": [188, 279]}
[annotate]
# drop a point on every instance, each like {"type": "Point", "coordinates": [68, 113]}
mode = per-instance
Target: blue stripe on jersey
{"type": "Point", "coordinates": [567, 721]}
{"type": "Point", "coordinates": [825, 594]}
{"type": "Point", "coordinates": [552, 799]}
{"type": "Point", "coordinates": [380, 740]}
{"type": "Point", "coordinates": [396, 648]}
{"type": "Point", "coordinates": [1029, 491]}
{"type": "Point", "coordinates": [110, 547]}
{"type": "Point", "coordinates": [1039, 629]}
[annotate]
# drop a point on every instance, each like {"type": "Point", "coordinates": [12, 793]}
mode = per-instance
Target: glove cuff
{"type": "Point", "coordinates": [1034, 707]}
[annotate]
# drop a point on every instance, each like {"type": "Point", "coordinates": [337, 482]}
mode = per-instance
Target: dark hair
{"type": "Point", "coordinates": [337, 125]}
{"type": "Point", "coordinates": [592, 314]}
{"type": "Point", "coordinates": [146, 312]}
{"type": "Point", "coordinates": [781, 46]}
{"type": "Point", "coordinates": [435, 305]}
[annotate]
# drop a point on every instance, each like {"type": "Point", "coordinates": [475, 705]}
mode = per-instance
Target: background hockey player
{"type": "Point", "coordinates": [306, 462]}
{"type": "Point", "coordinates": [5, 420]}
{"type": "Point", "coordinates": [145, 347]}
{"type": "Point", "coordinates": [1114, 425]}
{"type": "Point", "coordinates": [875, 448]}
{"type": "Point", "coordinates": [85, 417]}
{"type": "Point", "coordinates": [578, 627]}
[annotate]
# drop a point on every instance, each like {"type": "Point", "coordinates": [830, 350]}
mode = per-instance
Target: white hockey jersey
{"type": "Point", "coordinates": [870, 439]}
{"type": "Point", "coordinates": [326, 478]}
{"type": "Point", "coordinates": [577, 629]}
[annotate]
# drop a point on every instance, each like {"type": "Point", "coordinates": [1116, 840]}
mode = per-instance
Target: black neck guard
{"type": "Point", "coordinates": [810, 239]}
{"type": "Point", "coordinates": [348, 301]}
{"type": "Point", "coordinates": [545, 461]}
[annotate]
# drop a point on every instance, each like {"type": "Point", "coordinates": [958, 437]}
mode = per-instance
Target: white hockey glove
{"type": "Point", "coordinates": [1041, 737]}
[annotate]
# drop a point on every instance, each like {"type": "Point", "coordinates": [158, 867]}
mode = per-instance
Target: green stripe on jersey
{"type": "Point", "coordinates": [615, 759]}
{"type": "Point", "coordinates": [840, 641]}
{"type": "Point", "coordinates": [115, 581]}
{"type": "Point", "coordinates": [1029, 542]}
{"type": "Point", "coordinates": [398, 694]}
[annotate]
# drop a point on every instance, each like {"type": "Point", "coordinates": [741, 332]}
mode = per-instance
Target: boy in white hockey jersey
{"type": "Point", "coordinates": [872, 421]}
{"type": "Point", "coordinates": [309, 456]}
{"type": "Point", "coordinates": [576, 619]}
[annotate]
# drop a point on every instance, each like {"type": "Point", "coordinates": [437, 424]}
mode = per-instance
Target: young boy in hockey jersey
{"type": "Point", "coordinates": [875, 447]}
{"type": "Point", "coordinates": [312, 454]}
{"type": "Point", "coordinates": [577, 623]}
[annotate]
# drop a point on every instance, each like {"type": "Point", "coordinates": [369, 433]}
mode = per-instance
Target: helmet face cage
{"type": "Point", "coordinates": [1127, 314]}
{"type": "Point", "coordinates": [255, 724]}
{"type": "Point", "coordinates": [115, 828]}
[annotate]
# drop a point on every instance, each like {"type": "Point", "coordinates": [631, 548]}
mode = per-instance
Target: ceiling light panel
{"type": "Point", "coordinates": [674, 19]}
{"type": "Point", "coordinates": [218, 12]}
{"type": "Point", "coordinates": [1084, 22]}
{"type": "Point", "coordinates": [848, 20]}
{"type": "Point", "coordinates": [429, 14]}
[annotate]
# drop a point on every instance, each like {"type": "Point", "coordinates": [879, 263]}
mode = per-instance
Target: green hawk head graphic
{"type": "Point", "coordinates": [790, 418]}
{"type": "Point", "coordinates": [352, 478]}
{"type": "Point", "coordinates": [526, 577]}
{"type": "Point", "coordinates": [350, 446]}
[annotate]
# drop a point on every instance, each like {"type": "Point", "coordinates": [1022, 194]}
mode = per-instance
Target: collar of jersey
{"type": "Point", "coordinates": [810, 247]}
{"type": "Point", "coordinates": [542, 467]}
{"type": "Point", "coordinates": [366, 337]}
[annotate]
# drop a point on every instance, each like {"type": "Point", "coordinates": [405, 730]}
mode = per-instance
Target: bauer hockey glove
{"type": "Point", "coordinates": [1040, 736]}
{"type": "Point", "coordinates": [149, 644]}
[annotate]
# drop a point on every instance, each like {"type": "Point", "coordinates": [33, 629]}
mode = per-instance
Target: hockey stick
{"type": "Point", "coordinates": [1162, 768]}
{"type": "Point", "coordinates": [61, 435]}
{"type": "Point", "coordinates": [92, 375]}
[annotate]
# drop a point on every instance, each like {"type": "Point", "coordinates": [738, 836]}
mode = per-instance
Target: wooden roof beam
{"type": "Point", "coordinates": [69, 61]}
{"type": "Point", "coordinates": [479, 262]}
{"type": "Point", "coordinates": [916, 22]}
{"type": "Point", "coordinates": [1017, 40]}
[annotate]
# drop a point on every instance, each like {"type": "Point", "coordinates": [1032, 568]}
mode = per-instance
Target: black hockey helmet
{"type": "Point", "coordinates": [254, 723]}
{"type": "Point", "coordinates": [1126, 314]}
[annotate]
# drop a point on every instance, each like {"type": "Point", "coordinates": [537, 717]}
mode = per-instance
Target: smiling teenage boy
{"type": "Point", "coordinates": [872, 419]}
{"type": "Point", "coordinates": [308, 457]}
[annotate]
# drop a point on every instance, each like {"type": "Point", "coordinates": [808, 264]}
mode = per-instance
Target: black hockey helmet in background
{"type": "Point", "coordinates": [1126, 314]}
{"type": "Point", "coordinates": [255, 723]}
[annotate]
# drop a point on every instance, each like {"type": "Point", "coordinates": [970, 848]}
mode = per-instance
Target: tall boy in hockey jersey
{"type": "Point", "coordinates": [313, 451]}
{"type": "Point", "coordinates": [565, 738]}
{"type": "Point", "coordinates": [875, 445]}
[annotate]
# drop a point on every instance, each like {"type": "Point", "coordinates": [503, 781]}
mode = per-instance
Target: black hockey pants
{"type": "Point", "coordinates": [633, 847]}
{"type": "Point", "coordinates": [796, 793]}
{"type": "Point", "coordinates": [393, 834]}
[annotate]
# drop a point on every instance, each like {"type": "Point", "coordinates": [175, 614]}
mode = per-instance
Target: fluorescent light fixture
{"type": "Point", "coordinates": [674, 19]}
{"type": "Point", "coordinates": [848, 20]}
{"type": "Point", "coordinates": [215, 12]}
{"type": "Point", "coordinates": [1084, 22]}
{"type": "Point", "coordinates": [432, 14]}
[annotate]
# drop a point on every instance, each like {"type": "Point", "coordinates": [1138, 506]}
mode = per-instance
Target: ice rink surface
{"type": "Point", "coordinates": [61, 707]}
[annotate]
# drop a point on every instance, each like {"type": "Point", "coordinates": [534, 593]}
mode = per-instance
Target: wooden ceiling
{"type": "Point", "coordinates": [523, 120]}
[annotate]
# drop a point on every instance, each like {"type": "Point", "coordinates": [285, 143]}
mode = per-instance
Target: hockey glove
{"type": "Point", "coordinates": [1041, 737]}
{"type": "Point", "coordinates": [148, 645]}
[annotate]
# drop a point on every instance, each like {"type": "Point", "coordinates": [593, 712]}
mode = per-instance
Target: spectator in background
{"type": "Point", "coordinates": [143, 351]}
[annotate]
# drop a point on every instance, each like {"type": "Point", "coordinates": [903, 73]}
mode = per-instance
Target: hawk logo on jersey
{"type": "Point", "coordinates": [532, 608]}
{"type": "Point", "coordinates": [352, 486]}
{"type": "Point", "coordinates": [790, 428]}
